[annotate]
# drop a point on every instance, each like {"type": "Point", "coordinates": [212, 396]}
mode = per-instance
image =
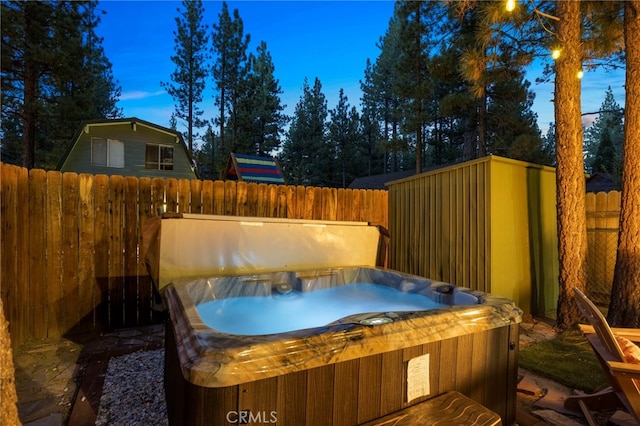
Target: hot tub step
{"type": "Point", "coordinates": [451, 408]}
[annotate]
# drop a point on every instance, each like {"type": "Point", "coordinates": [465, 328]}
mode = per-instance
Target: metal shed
{"type": "Point", "coordinates": [487, 224]}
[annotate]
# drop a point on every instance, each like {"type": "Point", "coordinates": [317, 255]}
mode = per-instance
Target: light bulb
{"type": "Point", "coordinates": [511, 5]}
{"type": "Point", "coordinates": [555, 53]}
{"type": "Point", "coordinates": [580, 74]}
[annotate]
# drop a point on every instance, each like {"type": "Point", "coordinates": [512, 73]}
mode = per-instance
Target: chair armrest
{"type": "Point", "coordinates": [632, 334]}
{"type": "Point", "coordinates": [624, 369]}
{"type": "Point", "coordinates": [587, 329]}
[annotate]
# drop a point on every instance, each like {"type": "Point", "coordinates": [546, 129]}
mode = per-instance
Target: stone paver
{"type": "Point", "coordinates": [49, 372]}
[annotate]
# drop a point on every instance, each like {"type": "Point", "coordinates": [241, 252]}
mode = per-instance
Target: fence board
{"type": "Point", "coordinates": [130, 244]}
{"type": "Point", "coordinates": [55, 311]}
{"type": "Point", "coordinates": [88, 290]}
{"type": "Point", "coordinates": [196, 197]}
{"type": "Point", "coordinates": [218, 197]}
{"type": "Point", "coordinates": [184, 196]}
{"type": "Point", "coordinates": [207, 197]}
{"type": "Point", "coordinates": [282, 201]}
{"type": "Point", "coordinates": [273, 202]}
{"type": "Point", "coordinates": [102, 230]}
{"type": "Point", "coordinates": [9, 239]}
{"type": "Point", "coordinates": [171, 194]}
{"type": "Point", "coordinates": [328, 204]}
{"type": "Point", "coordinates": [229, 198]}
{"type": "Point", "coordinates": [158, 204]}
{"type": "Point", "coordinates": [291, 201]}
{"type": "Point", "coordinates": [70, 288]}
{"type": "Point", "coordinates": [116, 271]}
{"type": "Point", "coordinates": [22, 211]}
{"type": "Point", "coordinates": [145, 294]}
{"type": "Point", "coordinates": [37, 253]}
{"type": "Point", "coordinates": [300, 201]}
{"type": "Point", "coordinates": [241, 198]}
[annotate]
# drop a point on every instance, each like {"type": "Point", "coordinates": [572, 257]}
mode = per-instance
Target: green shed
{"type": "Point", "coordinates": [487, 224]}
{"type": "Point", "coordinates": [128, 147]}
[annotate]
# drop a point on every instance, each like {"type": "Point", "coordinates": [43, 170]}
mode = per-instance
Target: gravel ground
{"type": "Point", "coordinates": [133, 391]}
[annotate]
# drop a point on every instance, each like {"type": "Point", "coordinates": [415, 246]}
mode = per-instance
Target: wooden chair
{"type": "Point", "coordinates": [624, 376]}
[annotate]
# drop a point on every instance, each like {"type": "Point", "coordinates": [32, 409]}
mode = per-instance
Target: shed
{"type": "Point", "coordinates": [128, 147]}
{"type": "Point", "coordinates": [487, 224]}
{"type": "Point", "coordinates": [250, 168]}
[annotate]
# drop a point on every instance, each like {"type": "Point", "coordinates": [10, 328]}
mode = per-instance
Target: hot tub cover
{"type": "Point", "coordinates": [192, 245]}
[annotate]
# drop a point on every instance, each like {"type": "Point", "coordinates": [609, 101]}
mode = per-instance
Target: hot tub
{"type": "Point", "coordinates": [352, 369]}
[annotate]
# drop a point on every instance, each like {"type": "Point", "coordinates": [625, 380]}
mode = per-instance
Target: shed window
{"type": "Point", "coordinates": [158, 157]}
{"type": "Point", "coordinates": [107, 152]}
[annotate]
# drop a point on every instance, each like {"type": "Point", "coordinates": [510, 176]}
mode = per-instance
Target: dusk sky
{"type": "Point", "coordinates": [330, 40]}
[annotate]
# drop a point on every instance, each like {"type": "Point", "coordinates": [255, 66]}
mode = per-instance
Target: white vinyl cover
{"type": "Point", "coordinates": [198, 245]}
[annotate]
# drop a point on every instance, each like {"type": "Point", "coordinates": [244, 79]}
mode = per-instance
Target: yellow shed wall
{"type": "Point", "coordinates": [510, 255]}
{"type": "Point", "coordinates": [487, 224]}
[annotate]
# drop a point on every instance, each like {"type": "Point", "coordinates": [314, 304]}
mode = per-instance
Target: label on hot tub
{"type": "Point", "coordinates": [418, 377]}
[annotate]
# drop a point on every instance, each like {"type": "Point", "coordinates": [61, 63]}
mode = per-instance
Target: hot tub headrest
{"type": "Point", "coordinates": [189, 245]}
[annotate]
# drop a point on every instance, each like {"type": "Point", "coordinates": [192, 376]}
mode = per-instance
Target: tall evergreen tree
{"type": "Point", "coordinates": [190, 59]}
{"type": "Point", "coordinates": [265, 119]}
{"type": "Point", "coordinates": [603, 139]}
{"type": "Point", "coordinates": [230, 76]}
{"type": "Point", "coordinates": [412, 84]}
{"type": "Point", "coordinates": [512, 130]}
{"type": "Point", "coordinates": [54, 76]}
{"type": "Point", "coordinates": [452, 108]}
{"type": "Point", "coordinates": [382, 92]}
{"type": "Point", "coordinates": [345, 136]}
{"type": "Point", "coordinates": [371, 123]}
{"type": "Point", "coordinates": [205, 154]}
{"type": "Point", "coordinates": [305, 152]}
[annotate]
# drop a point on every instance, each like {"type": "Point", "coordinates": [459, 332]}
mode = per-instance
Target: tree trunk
{"type": "Point", "coordinates": [482, 123]}
{"type": "Point", "coordinates": [624, 310]}
{"type": "Point", "coordinates": [570, 179]}
{"type": "Point", "coordinates": [30, 87]}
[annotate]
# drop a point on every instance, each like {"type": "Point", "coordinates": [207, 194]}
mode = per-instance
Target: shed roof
{"type": "Point", "coordinates": [379, 181]}
{"type": "Point", "coordinates": [251, 168]}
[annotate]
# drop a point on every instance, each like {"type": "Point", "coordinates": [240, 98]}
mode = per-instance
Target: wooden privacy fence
{"type": "Point", "coordinates": [70, 244]}
{"type": "Point", "coordinates": [603, 219]}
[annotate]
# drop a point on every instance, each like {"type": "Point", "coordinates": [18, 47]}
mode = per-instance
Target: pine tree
{"type": "Point", "coordinates": [306, 153]}
{"type": "Point", "coordinates": [412, 70]}
{"type": "Point", "coordinates": [603, 139]}
{"type": "Point", "coordinates": [266, 119]}
{"type": "Point", "coordinates": [371, 124]}
{"type": "Point", "coordinates": [190, 58]}
{"type": "Point", "coordinates": [230, 76]}
{"type": "Point", "coordinates": [345, 136]}
{"type": "Point", "coordinates": [512, 130]}
{"type": "Point", "coordinates": [54, 76]}
{"type": "Point", "coordinates": [382, 96]}
{"type": "Point", "coordinates": [205, 156]}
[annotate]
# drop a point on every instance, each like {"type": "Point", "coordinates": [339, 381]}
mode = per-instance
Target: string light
{"type": "Point", "coordinates": [580, 74]}
{"type": "Point", "coordinates": [511, 5]}
{"type": "Point", "coordinates": [555, 53]}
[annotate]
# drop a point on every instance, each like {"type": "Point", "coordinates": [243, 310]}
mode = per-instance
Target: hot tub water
{"type": "Point", "coordinates": [297, 310]}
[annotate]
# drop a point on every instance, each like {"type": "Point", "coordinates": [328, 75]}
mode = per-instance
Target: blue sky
{"type": "Point", "coordinates": [330, 40]}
